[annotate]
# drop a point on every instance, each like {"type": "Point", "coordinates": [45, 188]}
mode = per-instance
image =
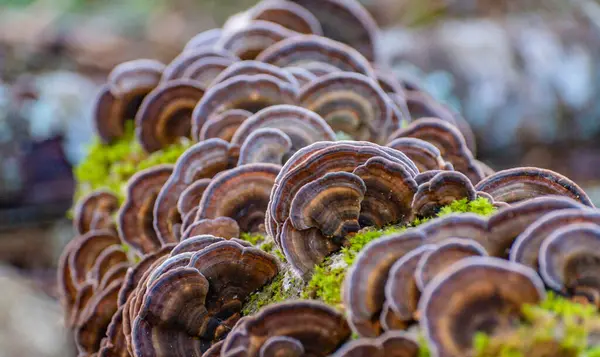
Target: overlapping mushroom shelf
{"type": "Point", "coordinates": [212, 254]}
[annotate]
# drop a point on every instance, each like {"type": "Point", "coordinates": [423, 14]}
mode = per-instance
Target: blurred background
{"type": "Point", "coordinates": [524, 73]}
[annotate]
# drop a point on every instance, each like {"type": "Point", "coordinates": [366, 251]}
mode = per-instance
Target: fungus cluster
{"type": "Point", "coordinates": [166, 265]}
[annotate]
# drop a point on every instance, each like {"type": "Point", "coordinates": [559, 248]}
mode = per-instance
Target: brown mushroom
{"type": "Point", "coordinates": [448, 139]}
{"type": "Point", "coordinates": [424, 154]}
{"type": "Point", "coordinates": [241, 193]}
{"type": "Point", "coordinates": [253, 68]}
{"type": "Point", "coordinates": [299, 50]}
{"type": "Point", "coordinates": [136, 214]}
{"type": "Point", "coordinates": [248, 92]}
{"type": "Point", "coordinates": [207, 38]}
{"type": "Point", "coordinates": [119, 100]}
{"type": "Point", "coordinates": [319, 329]}
{"type": "Point", "coordinates": [194, 53]}
{"type": "Point", "coordinates": [569, 260]}
{"type": "Point", "coordinates": [443, 256]}
{"type": "Point", "coordinates": [85, 252]}
{"type": "Point", "coordinates": [441, 190]}
{"type": "Point", "coordinates": [203, 160]}
{"type": "Point", "coordinates": [94, 211]}
{"type": "Point", "coordinates": [282, 346]}
{"type": "Point", "coordinates": [250, 40]}
{"type": "Point", "coordinates": [223, 227]}
{"type": "Point", "coordinates": [114, 344]}
{"type": "Point", "coordinates": [265, 145]}
{"type": "Point", "coordinates": [165, 113]}
{"type": "Point", "coordinates": [224, 125]}
{"type": "Point", "coordinates": [465, 225]}
{"type": "Point", "coordinates": [287, 14]}
{"type": "Point", "coordinates": [477, 294]}
{"type": "Point", "coordinates": [390, 344]}
{"type": "Point", "coordinates": [522, 183]}
{"type": "Point", "coordinates": [302, 75]}
{"type": "Point", "coordinates": [109, 258]}
{"type": "Point", "coordinates": [390, 190]}
{"type": "Point", "coordinates": [359, 28]}
{"type": "Point", "coordinates": [190, 197]}
{"type": "Point", "coordinates": [205, 70]}
{"type": "Point", "coordinates": [351, 103]}
{"type": "Point", "coordinates": [301, 125]}
{"type": "Point", "coordinates": [364, 286]}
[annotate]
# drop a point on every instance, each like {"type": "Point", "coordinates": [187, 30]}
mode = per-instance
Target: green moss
{"type": "Point", "coordinates": [110, 166]}
{"type": "Point", "coordinates": [276, 291]}
{"type": "Point", "coordinates": [480, 206]}
{"type": "Point", "coordinates": [555, 327]}
{"type": "Point", "coordinates": [424, 350]}
{"type": "Point", "coordinates": [252, 238]}
{"type": "Point", "coordinates": [326, 285]}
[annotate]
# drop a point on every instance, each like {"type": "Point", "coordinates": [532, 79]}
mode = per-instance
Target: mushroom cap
{"type": "Point", "coordinates": [476, 294]}
{"type": "Point", "coordinates": [359, 28]}
{"type": "Point", "coordinates": [180, 64]}
{"type": "Point", "coordinates": [425, 155]}
{"type": "Point", "coordinates": [318, 159]}
{"type": "Point", "coordinates": [190, 197]}
{"type": "Point", "coordinates": [96, 318]}
{"type": "Point", "coordinates": [187, 221]}
{"type": "Point", "coordinates": [319, 328]}
{"type": "Point", "coordinates": [214, 350]}
{"type": "Point", "coordinates": [443, 256]}
{"type": "Point", "coordinates": [250, 68]}
{"type": "Point", "coordinates": [205, 70]}
{"type": "Point", "coordinates": [443, 189]}
{"type": "Point", "coordinates": [67, 290]}
{"type": "Point", "coordinates": [388, 82]}
{"type": "Point", "coordinates": [85, 293]}
{"type": "Point", "coordinates": [320, 69]}
{"type": "Point", "coordinates": [464, 225]}
{"type": "Point", "coordinates": [349, 102]}
{"type": "Point", "coordinates": [364, 286]}
{"type": "Point", "coordinates": [114, 344]}
{"type": "Point", "coordinates": [287, 14]}
{"type": "Point", "coordinates": [118, 101]}
{"type": "Point", "coordinates": [330, 204]}
{"type": "Point", "coordinates": [305, 249]}
{"type": "Point", "coordinates": [282, 346]}
{"type": "Point", "coordinates": [390, 188]}
{"type": "Point", "coordinates": [569, 258]}
{"type": "Point", "coordinates": [448, 139]}
{"type": "Point", "coordinates": [165, 113]}
{"type": "Point", "coordinates": [522, 183]}
{"type": "Point", "coordinates": [223, 227]}
{"type": "Point", "coordinates": [94, 211]}
{"type": "Point", "coordinates": [265, 145]}
{"type": "Point", "coordinates": [248, 92]}
{"type": "Point", "coordinates": [241, 193]}
{"type": "Point", "coordinates": [135, 215]}
{"type": "Point", "coordinates": [506, 224]}
{"type": "Point", "coordinates": [388, 321]}
{"type": "Point", "coordinates": [390, 344]}
{"type": "Point", "coordinates": [206, 38]}
{"type": "Point", "coordinates": [202, 160]}
{"type": "Point", "coordinates": [301, 125]}
{"type": "Point", "coordinates": [299, 50]}
{"type": "Point", "coordinates": [224, 125]}
{"type": "Point", "coordinates": [525, 249]}
{"type": "Point", "coordinates": [86, 251]}
{"type": "Point", "coordinates": [249, 41]}
{"type": "Point", "coordinates": [485, 168]}
{"type": "Point", "coordinates": [302, 75]}
{"type": "Point", "coordinates": [195, 244]}
{"type": "Point", "coordinates": [401, 291]}
{"type": "Point", "coordinates": [109, 258]}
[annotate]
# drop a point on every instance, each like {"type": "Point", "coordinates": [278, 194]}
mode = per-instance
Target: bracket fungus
{"type": "Point", "coordinates": [250, 68]}
{"type": "Point", "coordinates": [315, 327]}
{"type": "Point", "coordinates": [186, 309]}
{"type": "Point", "coordinates": [265, 145]}
{"type": "Point", "coordinates": [94, 211]}
{"type": "Point", "coordinates": [302, 75]}
{"type": "Point", "coordinates": [351, 103]}
{"type": "Point", "coordinates": [441, 190]}
{"type": "Point", "coordinates": [201, 161]}
{"type": "Point", "coordinates": [119, 100]}
{"type": "Point", "coordinates": [190, 197]}
{"type": "Point", "coordinates": [248, 92]}
{"type": "Point", "coordinates": [208, 39]}
{"type": "Point", "coordinates": [205, 70]}
{"type": "Point", "coordinates": [390, 344]}
{"type": "Point", "coordinates": [287, 14]}
{"type": "Point", "coordinates": [241, 193]}
{"type": "Point", "coordinates": [425, 155]}
{"type": "Point", "coordinates": [136, 214]}
{"type": "Point", "coordinates": [223, 227]}
{"type": "Point", "coordinates": [448, 139]}
{"type": "Point", "coordinates": [181, 63]}
{"type": "Point", "coordinates": [522, 183]}
{"type": "Point", "coordinates": [165, 113]}
{"type": "Point", "coordinates": [570, 261]}
{"type": "Point", "coordinates": [477, 294]}
{"type": "Point", "coordinates": [249, 41]}
{"type": "Point", "coordinates": [298, 51]}
{"type": "Point", "coordinates": [301, 125]}
{"type": "Point", "coordinates": [360, 29]}
{"type": "Point", "coordinates": [224, 125]}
